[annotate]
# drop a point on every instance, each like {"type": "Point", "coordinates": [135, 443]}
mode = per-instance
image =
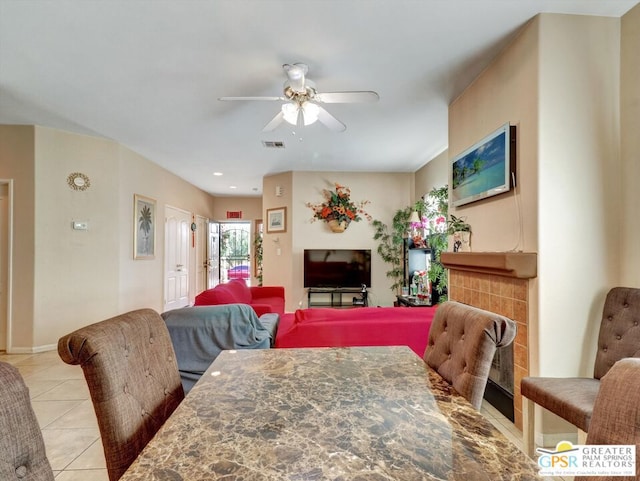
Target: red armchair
{"type": "Point", "coordinates": [263, 299]}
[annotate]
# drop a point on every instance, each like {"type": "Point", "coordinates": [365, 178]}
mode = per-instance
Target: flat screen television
{"type": "Point", "coordinates": [485, 169]}
{"type": "Point", "coordinates": [337, 268]}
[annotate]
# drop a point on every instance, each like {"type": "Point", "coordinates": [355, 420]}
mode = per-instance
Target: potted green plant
{"type": "Point", "coordinates": [456, 224]}
{"type": "Point", "coordinates": [433, 212]}
{"type": "Point", "coordinates": [391, 245]}
{"type": "Point", "coordinates": [459, 234]}
{"type": "Point", "coordinates": [436, 206]}
{"type": "Point", "coordinates": [257, 245]}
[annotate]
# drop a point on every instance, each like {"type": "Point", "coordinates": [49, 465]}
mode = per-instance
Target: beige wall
{"type": "Point", "coordinates": [433, 174]}
{"type": "Point", "coordinates": [76, 273]}
{"type": "Point", "coordinates": [505, 92]}
{"type": "Point", "coordinates": [277, 264]}
{"type": "Point", "coordinates": [630, 147]}
{"type": "Point", "coordinates": [17, 162]}
{"type": "Point", "coordinates": [251, 208]}
{"type": "Point", "coordinates": [580, 185]}
{"type": "Point", "coordinates": [558, 83]}
{"type": "Point", "coordinates": [387, 193]}
{"type": "Point", "coordinates": [63, 278]}
{"type": "Point", "coordinates": [141, 282]}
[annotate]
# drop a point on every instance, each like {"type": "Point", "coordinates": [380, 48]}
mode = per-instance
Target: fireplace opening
{"type": "Point", "coordinates": [499, 390]}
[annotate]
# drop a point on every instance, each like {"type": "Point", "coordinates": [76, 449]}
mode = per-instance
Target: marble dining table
{"type": "Point", "coordinates": [343, 414]}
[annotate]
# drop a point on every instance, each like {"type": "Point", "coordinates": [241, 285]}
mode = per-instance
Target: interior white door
{"type": "Point", "coordinates": [213, 255]}
{"type": "Point", "coordinates": [177, 236]}
{"type": "Point", "coordinates": [202, 227]}
{"type": "Point", "coordinates": [4, 260]}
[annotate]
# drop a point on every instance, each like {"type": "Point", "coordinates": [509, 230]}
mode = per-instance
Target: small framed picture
{"type": "Point", "coordinates": [277, 220]}
{"type": "Point", "coordinates": [144, 227]}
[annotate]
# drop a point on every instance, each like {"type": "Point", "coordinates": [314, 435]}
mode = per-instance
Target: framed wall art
{"type": "Point", "coordinates": [485, 169]}
{"type": "Point", "coordinates": [276, 220]}
{"type": "Point", "coordinates": [144, 227]}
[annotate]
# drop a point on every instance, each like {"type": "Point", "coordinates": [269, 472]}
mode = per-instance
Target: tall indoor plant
{"type": "Point", "coordinates": [431, 209]}
{"type": "Point", "coordinates": [257, 246]}
{"type": "Point", "coordinates": [436, 205]}
{"type": "Point", "coordinates": [391, 244]}
{"type": "Point", "coordinates": [392, 241]}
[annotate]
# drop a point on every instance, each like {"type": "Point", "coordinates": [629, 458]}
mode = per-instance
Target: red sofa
{"type": "Point", "coordinates": [361, 326]}
{"type": "Point", "coordinates": [263, 299]}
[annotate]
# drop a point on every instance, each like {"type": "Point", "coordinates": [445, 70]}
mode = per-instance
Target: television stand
{"type": "Point", "coordinates": [331, 296]}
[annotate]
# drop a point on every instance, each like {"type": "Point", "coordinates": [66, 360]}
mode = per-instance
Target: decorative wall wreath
{"type": "Point", "coordinates": [78, 181]}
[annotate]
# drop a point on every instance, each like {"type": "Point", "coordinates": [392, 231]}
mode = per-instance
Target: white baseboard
{"type": "Point", "coordinates": [32, 350]}
{"type": "Point", "coordinates": [551, 440]}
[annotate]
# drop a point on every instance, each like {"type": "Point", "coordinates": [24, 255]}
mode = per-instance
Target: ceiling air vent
{"type": "Point", "coordinates": [273, 144]}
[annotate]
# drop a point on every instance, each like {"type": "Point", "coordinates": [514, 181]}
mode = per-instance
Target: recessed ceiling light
{"type": "Point", "coordinates": [217, 174]}
{"type": "Point", "coordinates": [233, 186]}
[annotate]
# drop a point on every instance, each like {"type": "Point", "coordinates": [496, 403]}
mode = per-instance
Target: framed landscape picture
{"type": "Point", "coordinates": [485, 169]}
{"type": "Point", "coordinates": [277, 220]}
{"type": "Point", "coordinates": [144, 227]}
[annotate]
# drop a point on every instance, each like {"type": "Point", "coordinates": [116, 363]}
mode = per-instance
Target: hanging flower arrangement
{"type": "Point", "coordinates": [338, 210]}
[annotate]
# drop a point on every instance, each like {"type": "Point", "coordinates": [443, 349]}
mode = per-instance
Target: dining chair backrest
{"type": "Point", "coordinates": [573, 398]}
{"type": "Point", "coordinates": [131, 370]}
{"type": "Point", "coordinates": [462, 343]}
{"type": "Point", "coordinates": [22, 450]}
{"type": "Point", "coordinates": [616, 412]}
{"type": "Point", "coordinates": [619, 335]}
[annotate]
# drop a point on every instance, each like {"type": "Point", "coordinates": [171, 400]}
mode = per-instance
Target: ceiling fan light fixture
{"type": "Point", "coordinates": [310, 112]}
{"type": "Point", "coordinates": [290, 113]}
{"type": "Point", "coordinates": [304, 102]}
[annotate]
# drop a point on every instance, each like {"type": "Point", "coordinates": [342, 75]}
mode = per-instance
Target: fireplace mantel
{"type": "Point", "coordinates": [522, 265]}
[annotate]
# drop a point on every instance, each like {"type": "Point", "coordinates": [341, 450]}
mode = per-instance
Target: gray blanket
{"type": "Point", "coordinates": [200, 333]}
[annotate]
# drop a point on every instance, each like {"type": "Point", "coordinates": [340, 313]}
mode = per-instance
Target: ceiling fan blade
{"type": "Point", "coordinates": [277, 120]}
{"type": "Point", "coordinates": [363, 96]}
{"type": "Point", "coordinates": [330, 121]}
{"type": "Point", "coordinates": [296, 74]}
{"type": "Point", "coordinates": [251, 98]}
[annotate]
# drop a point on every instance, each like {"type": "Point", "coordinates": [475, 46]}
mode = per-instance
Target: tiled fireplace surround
{"type": "Point", "coordinates": [473, 280]}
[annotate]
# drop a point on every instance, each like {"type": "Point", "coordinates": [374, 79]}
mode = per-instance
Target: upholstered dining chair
{"type": "Point", "coordinates": [573, 398]}
{"type": "Point", "coordinates": [22, 451]}
{"type": "Point", "coordinates": [616, 412]}
{"type": "Point", "coordinates": [131, 370]}
{"type": "Point", "coordinates": [462, 343]}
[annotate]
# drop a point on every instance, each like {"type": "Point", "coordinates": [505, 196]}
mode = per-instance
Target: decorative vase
{"type": "Point", "coordinates": [460, 241]}
{"type": "Point", "coordinates": [336, 226]}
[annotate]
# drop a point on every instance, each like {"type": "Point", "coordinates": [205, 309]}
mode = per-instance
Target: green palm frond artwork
{"type": "Point", "coordinates": [144, 226]}
{"type": "Point", "coordinates": [145, 220]}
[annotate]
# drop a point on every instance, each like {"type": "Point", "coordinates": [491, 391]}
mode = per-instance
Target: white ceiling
{"type": "Point", "coordinates": [148, 74]}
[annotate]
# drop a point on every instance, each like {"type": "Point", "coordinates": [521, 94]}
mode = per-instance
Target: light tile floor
{"type": "Point", "coordinates": [60, 399]}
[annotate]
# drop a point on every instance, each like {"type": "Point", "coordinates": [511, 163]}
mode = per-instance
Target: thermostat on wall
{"type": "Point", "coordinates": [80, 225]}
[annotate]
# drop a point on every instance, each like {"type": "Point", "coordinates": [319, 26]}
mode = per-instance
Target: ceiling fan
{"type": "Point", "coordinates": [302, 101]}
